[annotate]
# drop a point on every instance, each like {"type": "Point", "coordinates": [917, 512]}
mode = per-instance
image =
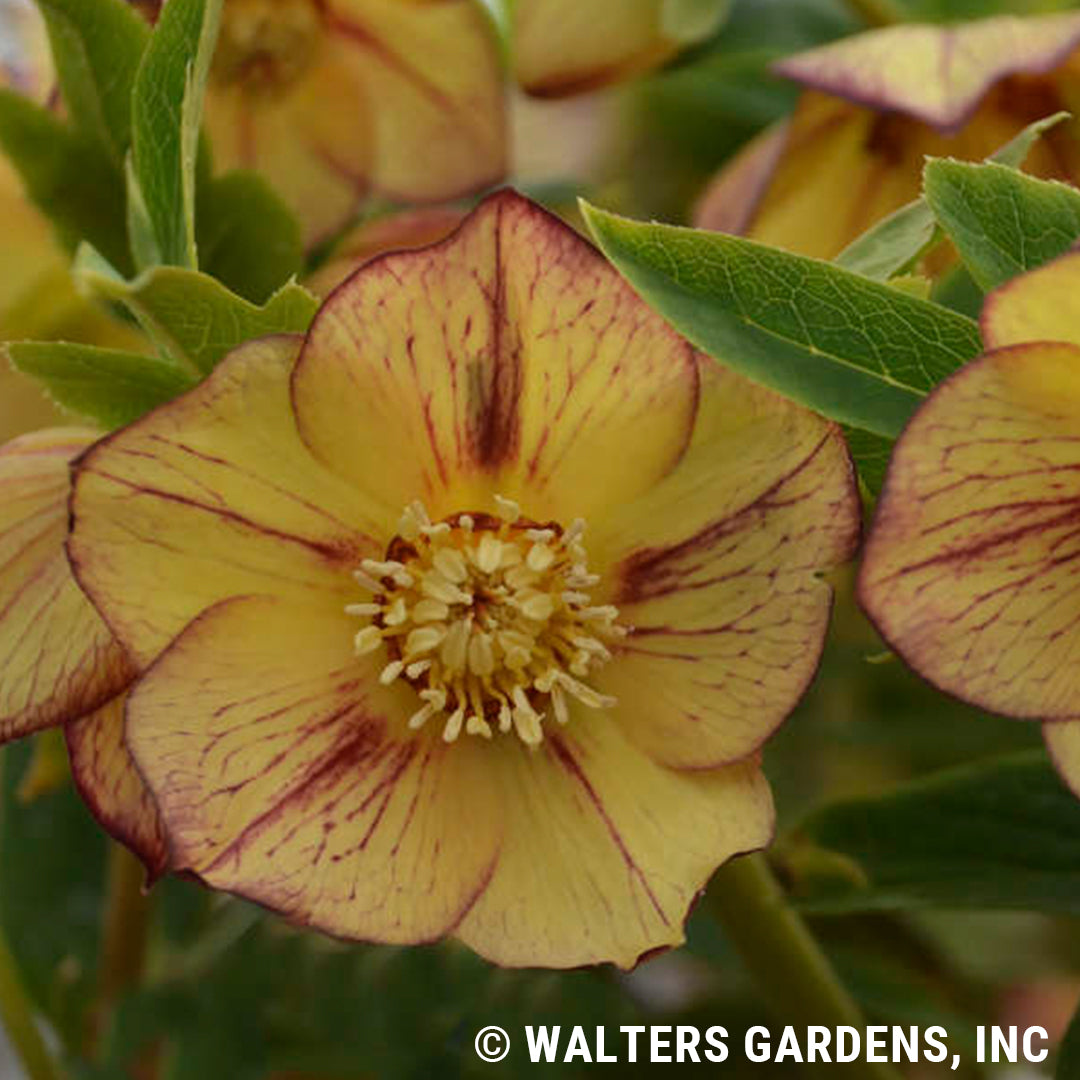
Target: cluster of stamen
{"type": "Point", "coordinates": [487, 616]}
{"type": "Point", "coordinates": [266, 45]}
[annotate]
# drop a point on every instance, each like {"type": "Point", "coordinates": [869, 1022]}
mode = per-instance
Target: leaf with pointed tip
{"type": "Point", "coordinates": [852, 349]}
{"type": "Point", "coordinates": [1002, 222]}
{"type": "Point", "coordinates": [895, 243]}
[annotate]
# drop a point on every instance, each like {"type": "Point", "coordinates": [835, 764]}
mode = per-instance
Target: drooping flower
{"type": "Point", "coordinates": [336, 99]}
{"type": "Point", "coordinates": [970, 567]}
{"type": "Point", "coordinates": [469, 613]}
{"type": "Point", "coordinates": [876, 105]}
{"type": "Point", "coordinates": [567, 46]}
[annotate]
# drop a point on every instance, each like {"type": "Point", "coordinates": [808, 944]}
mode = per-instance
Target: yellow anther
{"type": "Point", "coordinates": [424, 640]}
{"type": "Point", "coordinates": [489, 620]}
{"type": "Point", "coordinates": [451, 564]}
{"type": "Point", "coordinates": [540, 557]}
{"type": "Point", "coordinates": [430, 611]}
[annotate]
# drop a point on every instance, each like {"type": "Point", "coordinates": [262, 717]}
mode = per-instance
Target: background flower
{"type": "Point", "coordinates": [876, 105]}
{"type": "Point", "coordinates": [336, 100]}
{"type": "Point", "coordinates": [970, 568]}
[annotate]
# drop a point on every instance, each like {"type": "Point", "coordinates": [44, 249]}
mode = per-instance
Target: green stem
{"type": "Point", "coordinates": [795, 976]}
{"type": "Point", "coordinates": [876, 12]}
{"type": "Point", "coordinates": [18, 1020]}
{"type": "Point", "coordinates": [123, 932]}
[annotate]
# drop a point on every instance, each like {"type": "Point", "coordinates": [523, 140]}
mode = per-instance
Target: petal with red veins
{"type": "Point", "coordinates": [605, 850]}
{"type": "Point", "coordinates": [717, 571]}
{"type": "Point", "coordinates": [58, 658]}
{"type": "Point", "coordinates": [105, 775]}
{"type": "Point", "coordinates": [972, 568]}
{"type": "Point", "coordinates": [211, 496]}
{"type": "Point", "coordinates": [936, 74]}
{"type": "Point", "coordinates": [510, 358]}
{"type": "Point", "coordinates": [286, 773]}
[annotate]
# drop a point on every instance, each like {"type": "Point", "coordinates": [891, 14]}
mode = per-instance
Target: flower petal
{"type": "Point", "coordinates": [509, 358]}
{"type": "Point", "coordinates": [606, 851]}
{"type": "Point", "coordinates": [58, 658]}
{"type": "Point", "coordinates": [210, 496]}
{"type": "Point", "coordinates": [286, 773]}
{"type": "Point", "coordinates": [1042, 305]}
{"type": "Point", "coordinates": [732, 197]}
{"type": "Point", "coordinates": [433, 85]}
{"type": "Point", "coordinates": [105, 775]}
{"type": "Point", "coordinates": [937, 74]}
{"type": "Point", "coordinates": [970, 568]}
{"type": "Point", "coordinates": [1062, 738]}
{"type": "Point", "coordinates": [559, 48]}
{"type": "Point", "coordinates": [314, 143]}
{"type": "Point", "coordinates": [717, 569]}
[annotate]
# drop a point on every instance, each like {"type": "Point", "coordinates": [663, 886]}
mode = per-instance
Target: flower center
{"type": "Point", "coordinates": [266, 45]}
{"type": "Point", "coordinates": [488, 618]}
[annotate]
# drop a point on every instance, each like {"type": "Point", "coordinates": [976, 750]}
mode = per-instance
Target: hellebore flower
{"type": "Point", "coordinates": [468, 613]}
{"type": "Point", "coordinates": [567, 46]}
{"type": "Point", "coordinates": [876, 104]}
{"type": "Point", "coordinates": [970, 568]}
{"type": "Point", "coordinates": [335, 99]}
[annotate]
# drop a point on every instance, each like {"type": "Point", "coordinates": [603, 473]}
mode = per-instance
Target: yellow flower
{"type": "Point", "coordinates": [568, 46]}
{"type": "Point", "coordinates": [469, 613]}
{"type": "Point", "coordinates": [876, 105]}
{"type": "Point", "coordinates": [335, 99]}
{"type": "Point", "coordinates": [970, 568]}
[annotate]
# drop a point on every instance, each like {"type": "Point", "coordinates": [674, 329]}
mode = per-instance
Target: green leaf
{"type": "Point", "coordinates": [106, 385]}
{"type": "Point", "coordinates": [192, 316]}
{"type": "Point", "coordinates": [1014, 153]}
{"type": "Point", "coordinates": [96, 46]}
{"type": "Point", "coordinates": [67, 175]}
{"type": "Point", "coordinates": [248, 238]}
{"type": "Point", "coordinates": [852, 349]}
{"type": "Point", "coordinates": [893, 244]}
{"type": "Point", "coordinates": [1004, 833]}
{"type": "Point", "coordinates": [166, 113]}
{"type": "Point", "coordinates": [1002, 222]}
{"type": "Point", "coordinates": [897, 241]}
